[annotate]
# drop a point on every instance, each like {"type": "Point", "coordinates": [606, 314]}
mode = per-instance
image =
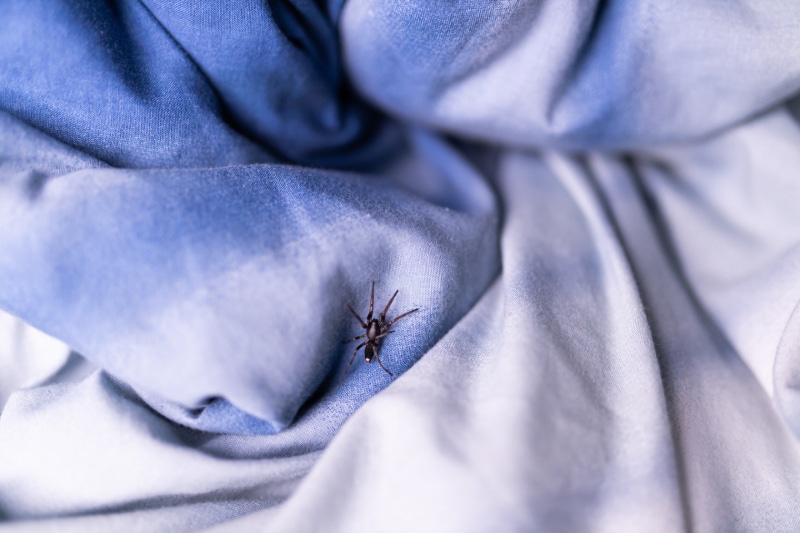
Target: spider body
{"type": "Point", "coordinates": [376, 329]}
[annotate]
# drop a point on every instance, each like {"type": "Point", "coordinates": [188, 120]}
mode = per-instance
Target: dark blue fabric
{"type": "Point", "coordinates": [176, 84]}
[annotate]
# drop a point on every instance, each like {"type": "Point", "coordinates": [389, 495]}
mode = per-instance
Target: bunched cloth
{"type": "Point", "coordinates": [594, 205]}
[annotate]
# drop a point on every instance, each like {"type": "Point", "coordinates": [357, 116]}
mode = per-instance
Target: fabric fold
{"type": "Point", "coordinates": [597, 75]}
{"type": "Point", "coordinates": [593, 206]}
{"type": "Point", "coordinates": [185, 283]}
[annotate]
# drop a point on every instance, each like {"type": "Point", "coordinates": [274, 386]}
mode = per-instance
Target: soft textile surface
{"type": "Point", "coordinates": [191, 194]}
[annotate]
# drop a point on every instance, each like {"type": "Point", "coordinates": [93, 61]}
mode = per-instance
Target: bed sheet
{"type": "Point", "coordinates": [592, 205]}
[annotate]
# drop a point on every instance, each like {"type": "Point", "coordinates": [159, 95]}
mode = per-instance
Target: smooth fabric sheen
{"type": "Point", "coordinates": [592, 205]}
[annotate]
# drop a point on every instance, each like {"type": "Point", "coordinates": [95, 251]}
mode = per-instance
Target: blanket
{"type": "Point", "coordinates": [587, 209]}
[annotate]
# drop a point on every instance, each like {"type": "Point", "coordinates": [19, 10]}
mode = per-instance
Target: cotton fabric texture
{"type": "Point", "coordinates": [593, 205]}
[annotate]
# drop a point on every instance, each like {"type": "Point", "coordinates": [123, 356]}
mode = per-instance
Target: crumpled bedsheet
{"type": "Point", "coordinates": [593, 205]}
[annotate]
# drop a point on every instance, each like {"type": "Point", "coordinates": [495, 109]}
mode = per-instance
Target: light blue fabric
{"type": "Point", "coordinates": [191, 194]}
{"type": "Point", "coordinates": [585, 75]}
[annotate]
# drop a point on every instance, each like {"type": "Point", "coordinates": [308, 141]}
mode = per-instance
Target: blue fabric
{"type": "Point", "coordinates": [592, 205]}
{"type": "Point", "coordinates": [598, 75]}
{"type": "Point", "coordinates": [215, 279]}
{"type": "Point", "coordinates": [144, 86]}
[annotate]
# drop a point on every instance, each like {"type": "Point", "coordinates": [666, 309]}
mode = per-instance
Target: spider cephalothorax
{"type": "Point", "coordinates": [376, 329]}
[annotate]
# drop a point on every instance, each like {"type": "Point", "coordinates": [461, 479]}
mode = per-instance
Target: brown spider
{"type": "Point", "coordinates": [376, 330]}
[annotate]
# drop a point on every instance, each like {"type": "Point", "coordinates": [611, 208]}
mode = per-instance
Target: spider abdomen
{"type": "Point", "coordinates": [369, 353]}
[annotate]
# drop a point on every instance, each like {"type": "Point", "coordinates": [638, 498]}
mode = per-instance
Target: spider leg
{"type": "Point", "coordinates": [378, 357]}
{"type": "Point", "coordinates": [383, 315]}
{"type": "Point", "coordinates": [363, 324]}
{"type": "Point", "coordinates": [395, 319]}
{"type": "Point", "coordinates": [354, 338]}
{"type": "Point", "coordinates": [353, 358]}
{"type": "Point", "coordinates": [383, 334]}
{"type": "Point", "coordinates": [371, 301]}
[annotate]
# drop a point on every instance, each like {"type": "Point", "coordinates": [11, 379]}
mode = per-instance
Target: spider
{"type": "Point", "coordinates": [376, 330]}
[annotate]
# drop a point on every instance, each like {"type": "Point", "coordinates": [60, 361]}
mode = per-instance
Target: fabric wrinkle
{"type": "Point", "coordinates": [592, 207]}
